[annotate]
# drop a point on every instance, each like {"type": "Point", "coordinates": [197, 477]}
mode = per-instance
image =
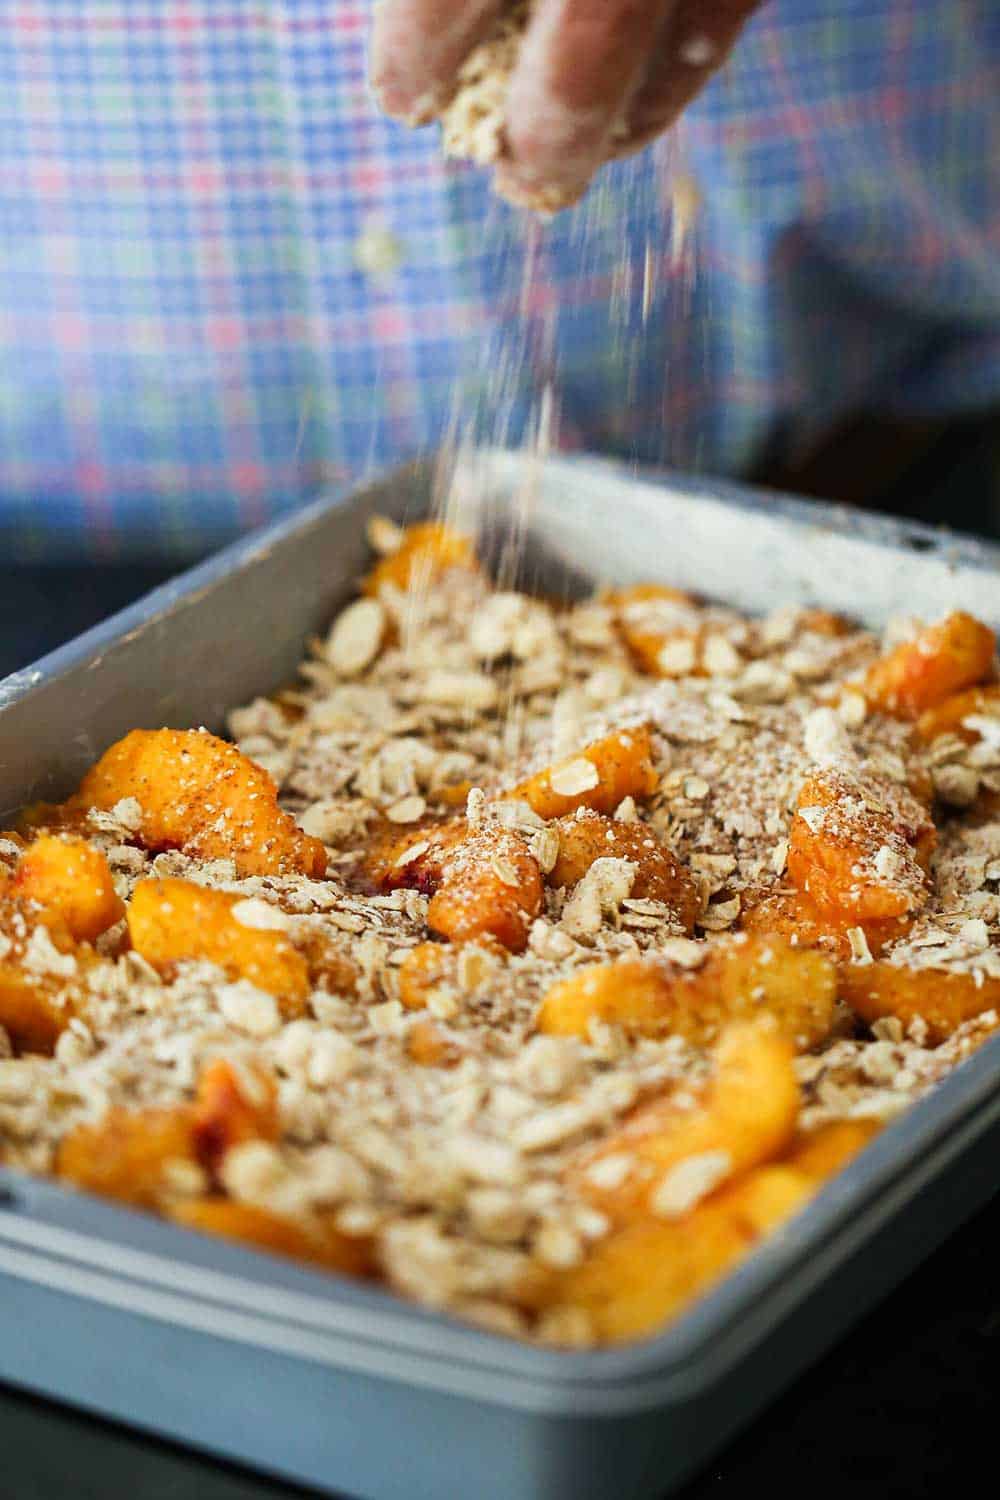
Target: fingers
{"type": "Point", "coordinates": [694, 44]}
{"type": "Point", "coordinates": [584, 88]}
{"type": "Point", "coordinates": [418, 47]}
{"type": "Point", "coordinates": [580, 62]}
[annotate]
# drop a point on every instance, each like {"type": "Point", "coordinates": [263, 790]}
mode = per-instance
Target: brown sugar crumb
{"type": "Point", "coordinates": [493, 881]}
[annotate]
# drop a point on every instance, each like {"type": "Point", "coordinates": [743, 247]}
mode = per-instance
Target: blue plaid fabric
{"type": "Point", "coordinates": [192, 337]}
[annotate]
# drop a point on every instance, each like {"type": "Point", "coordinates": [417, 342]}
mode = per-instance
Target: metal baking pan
{"type": "Point", "coordinates": [342, 1385]}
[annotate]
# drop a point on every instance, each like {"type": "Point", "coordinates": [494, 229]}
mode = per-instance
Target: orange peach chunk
{"type": "Point", "coordinates": [642, 1276]}
{"type": "Point", "coordinates": [950, 716]}
{"type": "Point", "coordinates": [151, 1158]}
{"type": "Point", "coordinates": [600, 776]}
{"type": "Point", "coordinates": [429, 1047]}
{"type": "Point", "coordinates": [661, 627]}
{"type": "Point", "coordinates": [432, 969]}
{"type": "Point", "coordinates": [37, 1001]}
{"type": "Point", "coordinates": [651, 1270]}
{"type": "Point", "coordinates": [789, 915]}
{"type": "Point", "coordinates": [171, 920]}
{"type": "Point", "coordinates": [746, 1116]}
{"type": "Point", "coordinates": [128, 1155]}
{"type": "Point", "coordinates": [427, 968]}
{"type": "Point", "coordinates": [410, 857]}
{"type": "Point", "coordinates": [427, 550]}
{"type": "Point", "coordinates": [943, 999]}
{"type": "Point", "coordinates": [483, 883]}
{"type": "Point", "coordinates": [450, 796]}
{"type": "Point", "coordinates": [135, 1156]}
{"type": "Point", "coordinates": [329, 968]}
{"type": "Point", "coordinates": [491, 887]}
{"type": "Point", "coordinates": [233, 1105]}
{"type": "Point", "coordinates": [740, 978]}
{"type": "Point", "coordinates": [821, 1152]}
{"type": "Point", "coordinates": [824, 622]}
{"type": "Point", "coordinates": [660, 876]}
{"type": "Point", "coordinates": [69, 879]}
{"type": "Point", "coordinates": [199, 794]}
{"type": "Point", "coordinates": [314, 1240]}
{"type": "Point", "coordinates": [766, 1198]}
{"type": "Point", "coordinates": [945, 658]}
{"type": "Point", "coordinates": [33, 1010]}
{"type": "Point", "coordinates": [860, 849]}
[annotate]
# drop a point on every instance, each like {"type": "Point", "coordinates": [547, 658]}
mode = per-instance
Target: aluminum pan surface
{"type": "Point", "coordinates": [160, 660]}
{"type": "Point", "coordinates": [746, 547]}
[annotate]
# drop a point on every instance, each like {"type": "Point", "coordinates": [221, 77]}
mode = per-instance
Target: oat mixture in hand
{"type": "Point", "coordinates": [533, 959]}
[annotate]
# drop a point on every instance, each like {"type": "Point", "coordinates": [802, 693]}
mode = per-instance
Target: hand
{"type": "Point", "coordinates": [594, 78]}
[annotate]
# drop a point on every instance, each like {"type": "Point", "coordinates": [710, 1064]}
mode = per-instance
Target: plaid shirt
{"type": "Point", "coordinates": [194, 331]}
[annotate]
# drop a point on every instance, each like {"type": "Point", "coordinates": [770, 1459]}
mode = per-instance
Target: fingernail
{"type": "Point", "coordinates": [425, 108]}
{"type": "Point", "coordinates": [397, 103]}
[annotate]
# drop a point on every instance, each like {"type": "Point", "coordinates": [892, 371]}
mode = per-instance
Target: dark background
{"type": "Point", "coordinates": [904, 1406]}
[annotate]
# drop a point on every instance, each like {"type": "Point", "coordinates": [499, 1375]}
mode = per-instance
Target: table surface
{"type": "Point", "coordinates": [901, 1406]}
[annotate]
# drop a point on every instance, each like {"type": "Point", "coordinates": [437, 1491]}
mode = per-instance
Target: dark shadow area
{"type": "Point", "coordinates": [940, 473]}
{"type": "Point", "coordinates": [43, 605]}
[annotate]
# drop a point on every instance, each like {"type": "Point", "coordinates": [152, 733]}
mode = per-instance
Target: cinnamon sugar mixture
{"type": "Point", "coordinates": [459, 1172]}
